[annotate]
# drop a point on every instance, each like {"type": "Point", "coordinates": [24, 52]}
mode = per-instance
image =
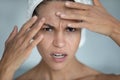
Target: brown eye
{"type": "Point", "coordinates": [47, 28]}
{"type": "Point", "coordinates": [70, 29]}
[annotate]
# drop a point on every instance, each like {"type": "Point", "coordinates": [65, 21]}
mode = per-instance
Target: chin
{"type": "Point", "coordinates": [57, 66]}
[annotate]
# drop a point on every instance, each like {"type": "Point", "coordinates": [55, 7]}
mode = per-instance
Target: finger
{"type": "Point", "coordinates": [27, 25]}
{"type": "Point", "coordinates": [12, 35]}
{"type": "Point", "coordinates": [31, 46]}
{"type": "Point", "coordinates": [80, 25]}
{"type": "Point", "coordinates": [76, 5]}
{"type": "Point", "coordinates": [34, 30]}
{"type": "Point", "coordinates": [35, 42]}
{"type": "Point", "coordinates": [97, 3]}
{"type": "Point", "coordinates": [76, 17]}
{"type": "Point", "coordinates": [78, 12]}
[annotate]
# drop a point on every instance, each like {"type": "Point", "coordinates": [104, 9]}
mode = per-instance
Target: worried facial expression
{"type": "Point", "coordinates": [60, 41]}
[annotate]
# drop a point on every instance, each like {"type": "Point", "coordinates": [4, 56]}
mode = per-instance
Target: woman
{"type": "Point", "coordinates": [56, 29]}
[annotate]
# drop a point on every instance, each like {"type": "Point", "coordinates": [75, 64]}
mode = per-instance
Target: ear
{"type": "Point", "coordinates": [97, 3]}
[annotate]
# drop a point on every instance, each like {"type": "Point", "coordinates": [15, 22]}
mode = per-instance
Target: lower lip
{"type": "Point", "coordinates": [59, 60]}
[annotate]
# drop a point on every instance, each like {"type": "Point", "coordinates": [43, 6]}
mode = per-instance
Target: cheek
{"type": "Point", "coordinates": [73, 41]}
{"type": "Point", "coordinates": [45, 45]}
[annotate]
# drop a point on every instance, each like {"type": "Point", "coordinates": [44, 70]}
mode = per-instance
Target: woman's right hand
{"type": "Point", "coordinates": [19, 44]}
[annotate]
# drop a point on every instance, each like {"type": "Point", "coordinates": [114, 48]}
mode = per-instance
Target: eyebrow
{"type": "Point", "coordinates": [54, 26]}
{"type": "Point", "coordinates": [49, 25]}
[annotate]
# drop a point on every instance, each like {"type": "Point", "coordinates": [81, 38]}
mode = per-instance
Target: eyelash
{"type": "Point", "coordinates": [68, 29]}
{"type": "Point", "coordinates": [47, 29]}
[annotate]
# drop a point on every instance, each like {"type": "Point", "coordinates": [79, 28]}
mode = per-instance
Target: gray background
{"type": "Point", "coordinates": [99, 52]}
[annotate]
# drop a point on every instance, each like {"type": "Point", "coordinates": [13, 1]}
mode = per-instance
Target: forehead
{"type": "Point", "coordinates": [49, 11]}
{"type": "Point", "coordinates": [50, 7]}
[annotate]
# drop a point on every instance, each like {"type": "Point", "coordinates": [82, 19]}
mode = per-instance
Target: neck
{"type": "Point", "coordinates": [68, 72]}
{"type": "Point", "coordinates": [72, 71]}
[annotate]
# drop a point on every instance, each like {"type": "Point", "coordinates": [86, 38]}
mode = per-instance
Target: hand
{"type": "Point", "coordinates": [92, 17]}
{"type": "Point", "coordinates": [19, 45]}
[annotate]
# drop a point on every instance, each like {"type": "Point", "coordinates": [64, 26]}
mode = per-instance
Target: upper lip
{"type": "Point", "coordinates": [59, 53]}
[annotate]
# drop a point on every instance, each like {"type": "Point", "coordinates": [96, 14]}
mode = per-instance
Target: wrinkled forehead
{"type": "Point", "coordinates": [49, 10]}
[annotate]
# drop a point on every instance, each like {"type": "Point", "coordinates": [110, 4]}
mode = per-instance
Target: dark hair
{"type": "Point", "coordinates": [44, 2]}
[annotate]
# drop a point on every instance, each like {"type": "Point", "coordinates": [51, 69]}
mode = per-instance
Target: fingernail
{"type": "Point", "coordinates": [43, 19]}
{"type": "Point", "coordinates": [62, 15]}
{"type": "Point", "coordinates": [67, 3]}
{"type": "Point", "coordinates": [15, 28]}
{"type": "Point", "coordinates": [35, 17]}
{"type": "Point", "coordinates": [58, 13]}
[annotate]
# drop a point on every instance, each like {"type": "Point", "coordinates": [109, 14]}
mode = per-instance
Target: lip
{"type": "Point", "coordinates": [59, 60]}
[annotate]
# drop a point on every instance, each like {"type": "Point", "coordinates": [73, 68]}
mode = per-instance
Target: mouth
{"type": "Point", "coordinates": [59, 57]}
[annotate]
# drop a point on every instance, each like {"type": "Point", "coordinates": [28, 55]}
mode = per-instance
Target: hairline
{"type": "Point", "coordinates": [35, 12]}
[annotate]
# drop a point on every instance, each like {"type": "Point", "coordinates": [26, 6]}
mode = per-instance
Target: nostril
{"type": "Point", "coordinates": [59, 42]}
{"type": "Point", "coordinates": [59, 39]}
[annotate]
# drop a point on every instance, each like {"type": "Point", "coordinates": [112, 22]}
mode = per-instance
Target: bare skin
{"type": "Point", "coordinates": [18, 48]}
{"type": "Point", "coordinates": [57, 39]}
{"type": "Point", "coordinates": [95, 18]}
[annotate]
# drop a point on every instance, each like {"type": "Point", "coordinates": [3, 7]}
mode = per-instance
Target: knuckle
{"type": "Point", "coordinates": [89, 13]}
{"type": "Point", "coordinates": [91, 7]}
{"type": "Point", "coordinates": [24, 25]}
{"type": "Point", "coordinates": [24, 45]}
{"type": "Point", "coordinates": [32, 45]}
{"type": "Point", "coordinates": [29, 35]}
{"type": "Point", "coordinates": [18, 41]}
{"type": "Point", "coordinates": [6, 42]}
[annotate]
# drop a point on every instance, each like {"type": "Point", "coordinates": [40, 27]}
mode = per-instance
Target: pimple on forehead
{"type": "Point", "coordinates": [49, 11]}
{"type": "Point", "coordinates": [51, 8]}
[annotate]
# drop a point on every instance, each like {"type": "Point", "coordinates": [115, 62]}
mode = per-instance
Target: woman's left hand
{"type": "Point", "coordinates": [92, 17]}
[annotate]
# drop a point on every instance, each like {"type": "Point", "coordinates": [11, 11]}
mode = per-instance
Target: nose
{"type": "Point", "coordinates": [59, 40]}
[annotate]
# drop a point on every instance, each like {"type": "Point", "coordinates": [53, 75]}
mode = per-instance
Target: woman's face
{"type": "Point", "coordinates": [60, 41]}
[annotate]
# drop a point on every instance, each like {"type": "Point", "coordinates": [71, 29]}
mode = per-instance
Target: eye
{"type": "Point", "coordinates": [47, 28]}
{"type": "Point", "coordinates": [70, 29]}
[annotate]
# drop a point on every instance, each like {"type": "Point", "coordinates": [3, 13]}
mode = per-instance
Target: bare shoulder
{"type": "Point", "coordinates": [28, 75]}
{"type": "Point", "coordinates": [108, 77]}
{"type": "Point", "coordinates": [25, 76]}
{"type": "Point", "coordinates": [101, 77]}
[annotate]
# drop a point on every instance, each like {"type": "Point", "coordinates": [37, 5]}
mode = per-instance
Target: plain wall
{"type": "Point", "coordinates": [99, 52]}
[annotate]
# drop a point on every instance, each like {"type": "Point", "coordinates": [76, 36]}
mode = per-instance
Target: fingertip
{"type": "Point", "coordinates": [41, 22]}
{"type": "Point", "coordinates": [97, 3]}
{"type": "Point", "coordinates": [58, 13]}
{"type": "Point", "coordinates": [15, 28]}
{"type": "Point", "coordinates": [39, 39]}
{"type": "Point", "coordinates": [34, 17]}
{"type": "Point", "coordinates": [67, 3]}
{"type": "Point", "coordinates": [42, 19]}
